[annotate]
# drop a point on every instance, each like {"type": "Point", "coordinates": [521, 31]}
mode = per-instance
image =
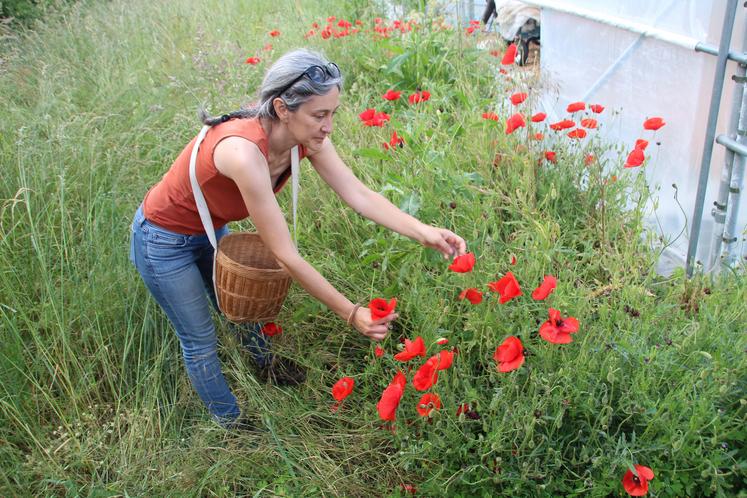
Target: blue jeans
{"type": "Point", "coordinates": [178, 271]}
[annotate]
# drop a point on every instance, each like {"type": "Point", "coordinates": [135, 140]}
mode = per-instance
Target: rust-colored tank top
{"type": "Point", "coordinates": [171, 204]}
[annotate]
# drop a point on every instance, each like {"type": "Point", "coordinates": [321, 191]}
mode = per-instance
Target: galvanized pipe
{"type": "Point", "coordinates": [736, 130]}
{"type": "Point", "coordinates": [705, 163]}
{"type": "Point", "coordinates": [730, 236]}
{"type": "Point", "coordinates": [707, 48]}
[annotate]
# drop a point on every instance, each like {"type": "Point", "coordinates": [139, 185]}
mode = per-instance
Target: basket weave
{"type": "Point", "coordinates": [250, 283]}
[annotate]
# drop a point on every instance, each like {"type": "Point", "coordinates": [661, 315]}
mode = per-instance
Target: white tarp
{"type": "Point", "coordinates": [657, 78]}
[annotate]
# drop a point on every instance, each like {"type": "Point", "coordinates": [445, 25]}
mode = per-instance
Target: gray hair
{"type": "Point", "coordinates": [286, 69]}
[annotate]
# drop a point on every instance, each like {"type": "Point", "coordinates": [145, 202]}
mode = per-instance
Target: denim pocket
{"type": "Point", "coordinates": [161, 237]}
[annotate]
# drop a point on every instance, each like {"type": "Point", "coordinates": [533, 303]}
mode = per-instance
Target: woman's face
{"type": "Point", "coordinates": [312, 121]}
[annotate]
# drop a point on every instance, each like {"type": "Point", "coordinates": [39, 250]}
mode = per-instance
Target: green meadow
{"type": "Point", "coordinates": [99, 99]}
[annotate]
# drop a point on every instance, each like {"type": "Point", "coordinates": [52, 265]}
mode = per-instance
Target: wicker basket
{"type": "Point", "coordinates": [251, 285]}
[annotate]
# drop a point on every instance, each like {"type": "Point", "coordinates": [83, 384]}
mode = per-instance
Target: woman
{"type": "Point", "coordinates": [241, 164]}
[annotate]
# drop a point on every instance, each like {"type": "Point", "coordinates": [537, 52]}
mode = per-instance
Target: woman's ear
{"type": "Point", "coordinates": [280, 109]}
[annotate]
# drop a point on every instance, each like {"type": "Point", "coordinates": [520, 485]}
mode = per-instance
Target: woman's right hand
{"type": "Point", "coordinates": [373, 329]}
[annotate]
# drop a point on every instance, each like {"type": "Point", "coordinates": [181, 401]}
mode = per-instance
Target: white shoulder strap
{"type": "Point", "coordinates": [296, 173]}
{"type": "Point", "coordinates": [202, 208]}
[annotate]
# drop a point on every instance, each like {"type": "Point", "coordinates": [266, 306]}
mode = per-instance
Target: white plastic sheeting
{"type": "Point", "coordinates": [655, 78]}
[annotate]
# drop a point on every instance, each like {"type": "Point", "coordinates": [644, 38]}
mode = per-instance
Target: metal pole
{"type": "Point", "coordinates": [705, 163]}
{"type": "Point", "coordinates": [735, 130]}
{"type": "Point", "coordinates": [735, 193]}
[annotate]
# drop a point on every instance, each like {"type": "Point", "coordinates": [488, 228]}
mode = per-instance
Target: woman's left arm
{"type": "Point", "coordinates": [377, 208]}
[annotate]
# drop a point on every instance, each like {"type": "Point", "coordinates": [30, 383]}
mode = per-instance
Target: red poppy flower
{"type": "Point", "coordinates": [635, 158]}
{"type": "Point", "coordinates": [575, 107]}
{"type": "Point", "coordinates": [653, 123]}
{"type": "Point", "coordinates": [419, 97]}
{"type": "Point", "coordinates": [444, 359]}
{"type": "Point", "coordinates": [551, 156]}
{"type": "Point", "coordinates": [507, 287]}
{"type": "Point", "coordinates": [589, 159]}
{"type": "Point", "coordinates": [562, 125]}
{"type": "Point", "coordinates": [473, 295]}
{"type": "Point", "coordinates": [514, 122]}
{"type": "Point", "coordinates": [509, 355]}
{"type": "Point", "coordinates": [395, 141]}
{"type": "Point", "coordinates": [267, 47]}
{"type": "Point", "coordinates": [343, 23]}
{"type": "Point", "coordinates": [315, 25]}
{"type": "Point", "coordinates": [379, 351]}
{"type": "Point", "coordinates": [518, 98]}
{"type": "Point", "coordinates": [428, 402]}
{"type": "Point", "coordinates": [490, 115]}
{"type": "Point", "coordinates": [326, 33]}
{"type": "Point", "coordinates": [510, 56]}
{"type": "Point", "coordinates": [343, 388]}
{"type": "Point", "coordinates": [271, 328]}
{"type": "Point", "coordinates": [539, 117]}
{"type": "Point", "coordinates": [390, 398]}
{"type": "Point", "coordinates": [427, 375]}
{"type": "Point", "coordinates": [596, 108]}
{"type": "Point", "coordinates": [400, 379]}
{"type": "Point", "coordinates": [502, 71]}
{"type": "Point", "coordinates": [557, 329]}
{"type": "Point", "coordinates": [577, 133]}
{"type": "Point", "coordinates": [513, 259]}
{"type": "Point", "coordinates": [463, 263]}
{"type": "Point", "coordinates": [378, 20]}
{"type": "Point", "coordinates": [495, 53]}
{"type": "Point", "coordinates": [274, 33]}
{"type": "Point", "coordinates": [358, 22]}
{"type": "Point", "coordinates": [590, 123]}
{"type": "Point", "coordinates": [442, 341]}
{"type": "Point", "coordinates": [641, 144]}
{"type": "Point", "coordinates": [381, 308]}
{"type": "Point", "coordinates": [331, 18]}
{"type": "Point", "coordinates": [391, 95]}
{"type": "Point", "coordinates": [463, 408]}
{"type": "Point", "coordinates": [637, 485]}
{"type": "Point", "coordinates": [539, 136]}
{"type": "Point", "coordinates": [253, 60]}
{"type": "Point", "coordinates": [545, 288]}
{"type": "Point", "coordinates": [412, 349]}
{"type": "Point", "coordinates": [372, 118]}
{"type": "Point", "coordinates": [470, 29]}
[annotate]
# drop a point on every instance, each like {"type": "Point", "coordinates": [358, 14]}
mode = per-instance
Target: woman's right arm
{"type": "Point", "coordinates": [242, 161]}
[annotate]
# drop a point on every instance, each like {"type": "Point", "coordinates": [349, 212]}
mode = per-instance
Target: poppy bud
{"type": "Point", "coordinates": [452, 205]}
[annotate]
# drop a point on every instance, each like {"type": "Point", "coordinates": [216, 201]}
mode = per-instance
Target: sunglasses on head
{"type": "Point", "coordinates": [317, 74]}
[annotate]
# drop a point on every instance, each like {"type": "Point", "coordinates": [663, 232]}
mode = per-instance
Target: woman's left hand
{"type": "Point", "coordinates": [444, 241]}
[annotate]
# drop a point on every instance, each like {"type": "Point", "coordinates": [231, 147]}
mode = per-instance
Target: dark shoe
{"type": "Point", "coordinates": [245, 423]}
{"type": "Point", "coordinates": [283, 372]}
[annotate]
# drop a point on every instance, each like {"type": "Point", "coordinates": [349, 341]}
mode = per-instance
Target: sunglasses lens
{"type": "Point", "coordinates": [316, 74]}
{"type": "Point", "coordinates": [333, 70]}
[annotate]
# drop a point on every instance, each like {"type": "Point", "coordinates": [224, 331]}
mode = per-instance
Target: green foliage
{"type": "Point", "coordinates": [93, 396]}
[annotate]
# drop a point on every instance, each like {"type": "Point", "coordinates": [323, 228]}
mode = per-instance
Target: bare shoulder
{"type": "Point", "coordinates": [236, 156]}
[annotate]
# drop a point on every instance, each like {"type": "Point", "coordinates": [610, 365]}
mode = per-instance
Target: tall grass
{"type": "Point", "coordinates": [93, 396]}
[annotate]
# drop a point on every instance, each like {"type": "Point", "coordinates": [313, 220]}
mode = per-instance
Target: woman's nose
{"type": "Point", "coordinates": [327, 125]}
